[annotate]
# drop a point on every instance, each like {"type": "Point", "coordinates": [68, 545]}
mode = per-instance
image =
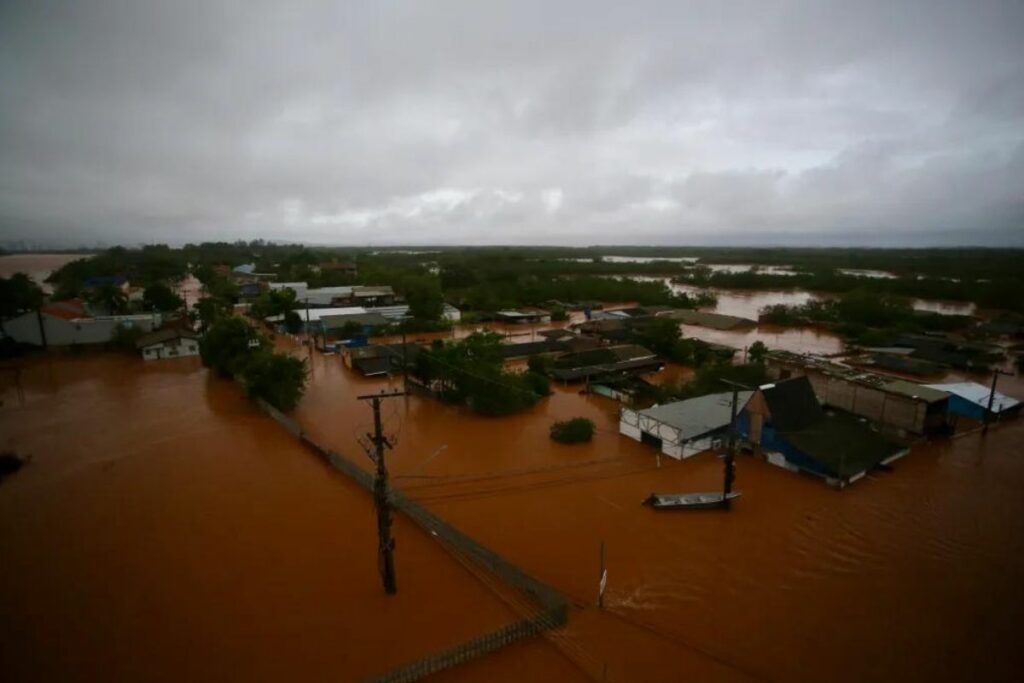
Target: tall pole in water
{"type": "Point", "coordinates": [991, 399]}
{"type": "Point", "coordinates": [729, 474]}
{"type": "Point", "coordinates": [385, 544]}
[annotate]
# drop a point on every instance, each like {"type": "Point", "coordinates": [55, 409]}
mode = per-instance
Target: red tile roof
{"type": "Point", "coordinates": [67, 310]}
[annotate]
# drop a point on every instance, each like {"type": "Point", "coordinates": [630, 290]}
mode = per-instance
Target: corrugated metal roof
{"type": "Point", "coordinates": [696, 416]}
{"type": "Point", "coordinates": [977, 393]}
{"type": "Point", "coordinates": [920, 391]}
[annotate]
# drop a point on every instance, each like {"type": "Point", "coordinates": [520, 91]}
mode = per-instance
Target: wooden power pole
{"type": "Point", "coordinates": [991, 399]}
{"type": "Point", "coordinates": [385, 544]}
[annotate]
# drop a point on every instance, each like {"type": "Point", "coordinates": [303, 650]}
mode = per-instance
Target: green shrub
{"type": "Point", "coordinates": [576, 430]}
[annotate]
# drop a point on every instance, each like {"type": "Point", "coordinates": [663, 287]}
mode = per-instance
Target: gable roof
{"type": "Point", "coordinates": [697, 416]}
{"type": "Point", "coordinates": [792, 404]}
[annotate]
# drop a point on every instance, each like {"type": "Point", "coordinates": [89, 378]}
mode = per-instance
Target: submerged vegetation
{"type": "Point", "coordinates": [472, 372]}
{"type": "Point", "coordinates": [863, 315]}
{"type": "Point", "coordinates": [576, 430]}
{"type": "Point", "coordinates": [232, 348]}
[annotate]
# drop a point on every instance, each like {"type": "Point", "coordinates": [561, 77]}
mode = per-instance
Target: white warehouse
{"type": "Point", "coordinates": [683, 428]}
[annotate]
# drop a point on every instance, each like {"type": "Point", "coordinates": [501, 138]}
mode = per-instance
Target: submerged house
{"type": "Point", "coordinates": [970, 399]}
{"type": "Point", "coordinates": [899, 407]}
{"type": "Point", "coordinates": [171, 342]}
{"type": "Point", "coordinates": [379, 359]}
{"type": "Point", "coordinates": [683, 428]}
{"type": "Point", "coordinates": [786, 425]}
{"type": "Point", "coordinates": [606, 361]}
{"type": "Point", "coordinates": [523, 316]}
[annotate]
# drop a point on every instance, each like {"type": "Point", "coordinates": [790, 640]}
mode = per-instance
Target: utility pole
{"type": "Point", "coordinates": [405, 361]}
{"type": "Point", "coordinates": [385, 544]}
{"type": "Point", "coordinates": [309, 334]}
{"type": "Point", "coordinates": [991, 398]}
{"type": "Point", "coordinates": [730, 456]}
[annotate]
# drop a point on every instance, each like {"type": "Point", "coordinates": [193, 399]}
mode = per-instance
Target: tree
{"type": "Point", "coordinates": [211, 309]}
{"type": "Point", "coordinates": [277, 378]}
{"type": "Point", "coordinates": [160, 297]}
{"type": "Point", "coordinates": [424, 296]}
{"type": "Point", "coordinates": [661, 335]}
{"type": "Point", "coordinates": [757, 352]}
{"type": "Point", "coordinates": [576, 430]}
{"type": "Point", "coordinates": [18, 294]}
{"type": "Point", "coordinates": [228, 344]}
{"type": "Point", "coordinates": [110, 299]}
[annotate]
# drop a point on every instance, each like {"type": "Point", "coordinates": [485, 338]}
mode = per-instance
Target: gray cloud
{"type": "Point", "coordinates": [513, 122]}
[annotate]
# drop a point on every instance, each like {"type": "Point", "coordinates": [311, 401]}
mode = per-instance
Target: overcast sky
{"type": "Point", "coordinates": [554, 122]}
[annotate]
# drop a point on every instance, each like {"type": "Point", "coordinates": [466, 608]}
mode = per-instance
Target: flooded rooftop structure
{"type": "Point", "coordinates": [786, 425]}
{"type": "Point", "coordinates": [902, 408]}
{"type": "Point", "coordinates": [683, 428]}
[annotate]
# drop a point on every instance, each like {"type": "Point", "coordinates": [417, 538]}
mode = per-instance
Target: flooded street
{"type": "Point", "coordinates": [166, 525]}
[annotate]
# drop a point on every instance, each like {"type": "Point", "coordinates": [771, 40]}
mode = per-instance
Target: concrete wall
{"type": "Point", "coordinates": [60, 332]}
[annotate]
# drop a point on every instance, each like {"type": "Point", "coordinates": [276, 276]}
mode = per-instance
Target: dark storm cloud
{"type": "Point", "coordinates": [535, 122]}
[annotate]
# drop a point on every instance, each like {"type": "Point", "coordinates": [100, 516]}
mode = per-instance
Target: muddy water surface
{"type": "Point", "coordinates": [167, 526]}
{"type": "Point", "coordinates": [36, 266]}
{"type": "Point", "coordinates": [166, 530]}
{"type": "Point", "coordinates": [908, 575]}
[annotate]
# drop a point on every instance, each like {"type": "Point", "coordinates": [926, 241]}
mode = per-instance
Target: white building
{"type": "Point", "coordinates": [683, 428]}
{"type": "Point", "coordinates": [169, 343]}
{"type": "Point", "coordinates": [64, 323]}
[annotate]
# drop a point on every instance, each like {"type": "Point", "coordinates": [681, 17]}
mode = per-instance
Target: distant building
{"type": "Point", "coordinates": [683, 428]}
{"type": "Point", "coordinates": [605, 362]}
{"type": "Point", "coordinates": [346, 267]}
{"type": "Point", "coordinates": [168, 343]}
{"type": "Point", "coordinates": [378, 359]}
{"type": "Point", "coordinates": [523, 316]}
{"type": "Point", "coordinates": [788, 427]}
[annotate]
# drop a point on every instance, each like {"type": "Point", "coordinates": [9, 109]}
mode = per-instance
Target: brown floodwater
{"type": "Point", "coordinates": [167, 526]}
{"type": "Point", "coordinates": [36, 266]}
{"type": "Point", "coordinates": [166, 530]}
{"type": "Point", "coordinates": [909, 575]}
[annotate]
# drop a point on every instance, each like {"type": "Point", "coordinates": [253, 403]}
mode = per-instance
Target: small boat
{"type": "Point", "coordinates": [692, 501]}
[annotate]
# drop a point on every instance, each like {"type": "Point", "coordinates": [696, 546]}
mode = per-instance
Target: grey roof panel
{"type": "Point", "coordinates": [700, 415]}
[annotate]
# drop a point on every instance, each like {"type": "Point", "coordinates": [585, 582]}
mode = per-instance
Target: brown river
{"type": "Point", "coordinates": [166, 530]}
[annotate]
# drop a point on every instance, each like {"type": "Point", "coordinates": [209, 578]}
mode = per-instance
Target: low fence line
{"type": "Point", "coordinates": [553, 608]}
